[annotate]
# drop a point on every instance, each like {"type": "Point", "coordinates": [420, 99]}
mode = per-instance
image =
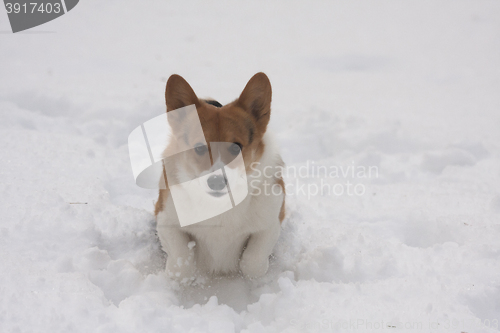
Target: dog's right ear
{"type": "Point", "coordinates": [179, 93]}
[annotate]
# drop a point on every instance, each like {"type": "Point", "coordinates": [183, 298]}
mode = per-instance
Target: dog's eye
{"type": "Point", "coordinates": [235, 148]}
{"type": "Point", "coordinates": [200, 148]}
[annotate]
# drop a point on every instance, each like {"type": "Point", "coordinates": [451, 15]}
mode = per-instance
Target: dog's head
{"type": "Point", "coordinates": [228, 131]}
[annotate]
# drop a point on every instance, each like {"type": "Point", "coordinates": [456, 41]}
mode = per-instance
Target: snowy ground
{"type": "Point", "coordinates": [410, 87]}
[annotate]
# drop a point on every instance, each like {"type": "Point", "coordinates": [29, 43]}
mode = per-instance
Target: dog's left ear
{"type": "Point", "coordinates": [256, 99]}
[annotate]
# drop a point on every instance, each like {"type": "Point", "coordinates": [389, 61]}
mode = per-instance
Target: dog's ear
{"type": "Point", "coordinates": [256, 99]}
{"type": "Point", "coordinates": [182, 119]}
{"type": "Point", "coordinates": [179, 93]}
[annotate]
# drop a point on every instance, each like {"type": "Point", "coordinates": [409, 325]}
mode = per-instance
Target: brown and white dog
{"type": "Point", "coordinates": [240, 239]}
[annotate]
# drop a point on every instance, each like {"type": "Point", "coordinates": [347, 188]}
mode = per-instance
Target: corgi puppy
{"type": "Point", "coordinates": [240, 239]}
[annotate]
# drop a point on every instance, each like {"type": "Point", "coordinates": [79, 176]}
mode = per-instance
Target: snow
{"type": "Point", "coordinates": [410, 88]}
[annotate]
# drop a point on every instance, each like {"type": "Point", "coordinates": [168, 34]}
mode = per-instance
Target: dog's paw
{"type": "Point", "coordinates": [253, 267]}
{"type": "Point", "coordinates": [180, 269]}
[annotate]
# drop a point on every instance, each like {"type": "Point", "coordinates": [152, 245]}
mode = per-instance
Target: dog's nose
{"type": "Point", "coordinates": [216, 182]}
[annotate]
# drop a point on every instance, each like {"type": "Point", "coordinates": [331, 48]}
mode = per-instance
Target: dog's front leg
{"type": "Point", "coordinates": [180, 261]}
{"type": "Point", "coordinates": [255, 259]}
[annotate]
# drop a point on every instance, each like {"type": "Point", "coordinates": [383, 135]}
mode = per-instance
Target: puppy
{"type": "Point", "coordinates": [242, 238]}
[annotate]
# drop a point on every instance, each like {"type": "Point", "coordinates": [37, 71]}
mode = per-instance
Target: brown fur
{"type": "Point", "coordinates": [244, 120]}
{"type": "Point", "coordinates": [162, 196]}
{"type": "Point", "coordinates": [281, 183]}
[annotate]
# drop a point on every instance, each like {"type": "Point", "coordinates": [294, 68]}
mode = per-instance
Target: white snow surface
{"type": "Point", "coordinates": [410, 87]}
